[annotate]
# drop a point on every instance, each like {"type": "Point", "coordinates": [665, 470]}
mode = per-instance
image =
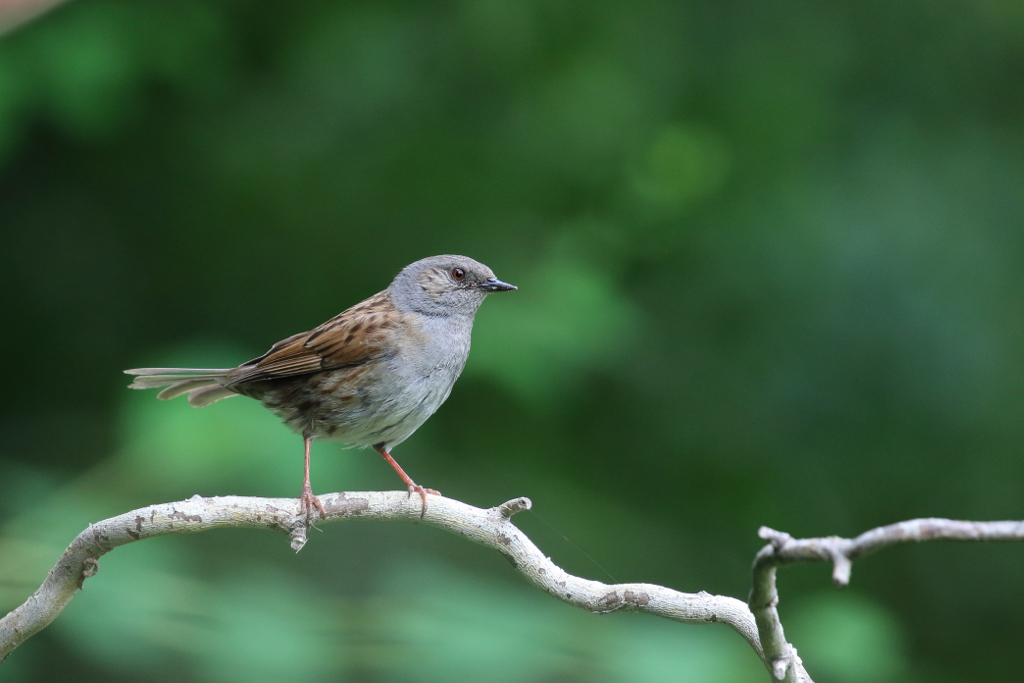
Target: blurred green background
{"type": "Point", "coordinates": [771, 271]}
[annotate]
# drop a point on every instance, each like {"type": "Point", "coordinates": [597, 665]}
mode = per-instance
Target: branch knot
{"type": "Point", "coordinates": [511, 507]}
{"type": "Point", "coordinates": [778, 539]}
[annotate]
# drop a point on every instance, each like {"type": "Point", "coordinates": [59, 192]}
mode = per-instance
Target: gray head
{"type": "Point", "coordinates": [445, 285]}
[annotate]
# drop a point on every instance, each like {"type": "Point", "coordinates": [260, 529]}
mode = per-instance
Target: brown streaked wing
{"type": "Point", "coordinates": [352, 337]}
{"type": "Point", "coordinates": [358, 335]}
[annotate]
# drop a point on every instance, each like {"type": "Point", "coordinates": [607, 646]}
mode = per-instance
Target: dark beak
{"type": "Point", "coordinates": [493, 284]}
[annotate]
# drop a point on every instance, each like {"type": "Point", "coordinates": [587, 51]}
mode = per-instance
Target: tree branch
{"type": "Point", "coordinates": [491, 528]}
{"type": "Point", "coordinates": [783, 549]}
{"type": "Point", "coordinates": [759, 624]}
{"type": "Point", "coordinates": [13, 13]}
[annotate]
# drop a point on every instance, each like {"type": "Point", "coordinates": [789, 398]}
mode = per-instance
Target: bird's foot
{"type": "Point", "coordinates": [307, 501]}
{"type": "Point", "coordinates": [416, 488]}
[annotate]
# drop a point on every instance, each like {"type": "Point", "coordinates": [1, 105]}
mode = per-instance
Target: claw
{"type": "Point", "coordinates": [416, 488]}
{"type": "Point", "coordinates": [409, 483]}
{"type": "Point", "coordinates": [307, 501]}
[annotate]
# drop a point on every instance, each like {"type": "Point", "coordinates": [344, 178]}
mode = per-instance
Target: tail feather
{"type": "Point", "coordinates": [178, 371]}
{"type": "Point", "coordinates": [199, 398]}
{"type": "Point", "coordinates": [203, 385]}
{"type": "Point", "coordinates": [185, 387]}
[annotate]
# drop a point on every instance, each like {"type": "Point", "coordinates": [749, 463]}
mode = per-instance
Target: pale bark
{"type": "Point", "coordinates": [759, 624]}
{"type": "Point", "coordinates": [14, 13]}
{"type": "Point", "coordinates": [491, 528]}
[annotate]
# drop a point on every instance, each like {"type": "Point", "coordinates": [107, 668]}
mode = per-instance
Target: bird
{"type": "Point", "coordinates": [370, 376]}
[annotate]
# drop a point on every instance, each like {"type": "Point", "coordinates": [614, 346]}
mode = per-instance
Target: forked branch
{"type": "Point", "coordinates": [759, 624]}
{"type": "Point", "coordinates": [782, 549]}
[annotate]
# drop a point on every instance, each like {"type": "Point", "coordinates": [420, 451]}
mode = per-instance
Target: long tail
{"type": "Point", "coordinates": [203, 385]}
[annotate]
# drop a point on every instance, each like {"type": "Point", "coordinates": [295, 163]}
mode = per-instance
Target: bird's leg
{"type": "Point", "coordinates": [307, 500]}
{"type": "Point", "coordinates": [409, 483]}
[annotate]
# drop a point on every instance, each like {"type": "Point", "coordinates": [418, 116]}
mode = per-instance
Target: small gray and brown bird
{"type": "Point", "coordinates": [370, 376]}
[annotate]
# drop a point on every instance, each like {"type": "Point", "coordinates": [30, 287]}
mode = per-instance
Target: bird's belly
{"type": "Point", "coordinates": [364, 406]}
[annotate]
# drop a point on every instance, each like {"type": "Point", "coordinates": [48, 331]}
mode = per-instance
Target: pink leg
{"type": "Point", "coordinates": [308, 501]}
{"type": "Point", "coordinates": [409, 483]}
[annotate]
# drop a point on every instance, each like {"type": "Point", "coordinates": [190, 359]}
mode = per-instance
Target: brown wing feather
{"type": "Point", "coordinates": [353, 337]}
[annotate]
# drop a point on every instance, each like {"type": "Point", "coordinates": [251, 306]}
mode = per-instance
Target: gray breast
{"type": "Point", "coordinates": [394, 396]}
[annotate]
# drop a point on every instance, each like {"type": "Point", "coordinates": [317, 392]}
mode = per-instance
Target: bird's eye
{"type": "Point", "coordinates": [458, 273]}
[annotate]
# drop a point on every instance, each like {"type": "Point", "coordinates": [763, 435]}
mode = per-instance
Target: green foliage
{"type": "Point", "coordinates": [849, 638]}
{"type": "Point", "coordinates": [770, 272]}
{"type": "Point", "coordinates": [570, 318]}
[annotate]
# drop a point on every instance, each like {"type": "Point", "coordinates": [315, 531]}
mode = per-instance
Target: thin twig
{"type": "Point", "coordinates": [14, 13]}
{"type": "Point", "coordinates": [783, 549]}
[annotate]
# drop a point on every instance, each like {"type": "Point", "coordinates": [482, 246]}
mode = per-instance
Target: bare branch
{"type": "Point", "coordinates": [759, 624]}
{"type": "Point", "coordinates": [491, 528]}
{"type": "Point", "coordinates": [783, 549]}
{"type": "Point", "coordinates": [13, 13]}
